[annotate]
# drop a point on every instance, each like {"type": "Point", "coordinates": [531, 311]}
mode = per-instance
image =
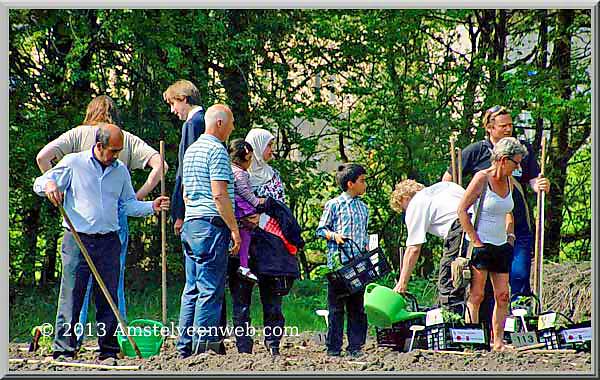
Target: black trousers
{"type": "Point", "coordinates": [241, 295]}
{"type": "Point", "coordinates": [104, 251]}
{"type": "Point", "coordinates": [449, 296]}
{"type": "Point", "coordinates": [352, 307]}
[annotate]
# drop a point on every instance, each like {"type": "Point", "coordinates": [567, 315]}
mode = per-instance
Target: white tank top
{"type": "Point", "coordinates": [492, 221]}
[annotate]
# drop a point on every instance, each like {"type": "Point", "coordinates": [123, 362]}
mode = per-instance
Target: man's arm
{"type": "Point", "coordinates": [408, 264]}
{"type": "Point", "coordinates": [54, 182]}
{"type": "Point", "coordinates": [153, 177]}
{"type": "Point", "coordinates": [539, 184]}
{"type": "Point", "coordinates": [225, 209]}
{"type": "Point", "coordinates": [134, 207]}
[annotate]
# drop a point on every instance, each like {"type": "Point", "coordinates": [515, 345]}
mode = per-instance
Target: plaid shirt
{"type": "Point", "coordinates": [347, 216]}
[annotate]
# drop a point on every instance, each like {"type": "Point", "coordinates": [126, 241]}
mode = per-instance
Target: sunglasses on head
{"type": "Point", "coordinates": [492, 112]}
{"type": "Point", "coordinates": [515, 162]}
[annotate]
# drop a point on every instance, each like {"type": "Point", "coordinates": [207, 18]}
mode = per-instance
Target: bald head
{"type": "Point", "coordinates": [219, 121]}
{"type": "Point", "coordinates": [109, 143]}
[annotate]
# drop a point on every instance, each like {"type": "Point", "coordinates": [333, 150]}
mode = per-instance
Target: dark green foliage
{"type": "Point", "coordinates": [393, 86]}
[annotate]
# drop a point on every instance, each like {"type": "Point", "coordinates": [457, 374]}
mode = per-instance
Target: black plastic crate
{"type": "Point", "coordinates": [398, 336]}
{"type": "Point", "coordinates": [439, 337]}
{"type": "Point", "coordinates": [356, 274]}
{"type": "Point", "coordinates": [563, 338]}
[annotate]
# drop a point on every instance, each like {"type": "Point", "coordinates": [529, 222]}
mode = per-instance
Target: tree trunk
{"type": "Point", "coordinates": [31, 227]}
{"type": "Point", "coordinates": [235, 78]}
{"type": "Point", "coordinates": [560, 140]}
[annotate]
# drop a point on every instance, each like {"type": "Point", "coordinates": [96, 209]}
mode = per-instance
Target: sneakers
{"type": "Point", "coordinates": [356, 354]}
{"type": "Point", "coordinates": [105, 355]}
{"type": "Point", "coordinates": [247, 274]}
{"type": "Point", "coordinates": [65, 355]}
{"type": "Point", "coordinates": [333, 353]}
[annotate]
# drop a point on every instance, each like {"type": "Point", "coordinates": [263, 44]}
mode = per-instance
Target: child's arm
{"type": "Point", "coordinates": [325, 228]}
{"type": "Point", "coordinates": [243, 188]}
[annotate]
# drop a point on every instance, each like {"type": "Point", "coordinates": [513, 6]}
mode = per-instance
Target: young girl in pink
{"type": "Point", "coordinates": [245, 201]}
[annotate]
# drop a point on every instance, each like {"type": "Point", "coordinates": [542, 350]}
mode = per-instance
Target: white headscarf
{"type": "Point", "coordinates": [260, 171]}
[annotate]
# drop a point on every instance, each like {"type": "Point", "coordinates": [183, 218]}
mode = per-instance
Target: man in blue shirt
{"type": "Point", "coordinates": [208, 227]}
{"type": "Point", "coordinates": [93, 182]}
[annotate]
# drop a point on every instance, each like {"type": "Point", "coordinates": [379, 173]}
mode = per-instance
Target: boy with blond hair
{"type": "Point", "coordinates": [184, 99]}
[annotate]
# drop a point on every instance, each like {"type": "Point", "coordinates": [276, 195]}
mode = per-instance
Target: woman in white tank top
{"type": "Point", "coordinates": [491, 252]}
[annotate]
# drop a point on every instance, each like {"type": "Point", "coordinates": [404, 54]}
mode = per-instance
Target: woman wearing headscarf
{"type": "Point", "coordinates": [265, 181]}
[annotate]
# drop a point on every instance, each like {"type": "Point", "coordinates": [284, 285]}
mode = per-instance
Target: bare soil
{"type": "Point", "coordinates": [302, 354]}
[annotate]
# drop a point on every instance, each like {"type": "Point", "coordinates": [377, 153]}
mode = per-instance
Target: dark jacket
{"type": "Point", "coordinates": [268, 254]}
{"type": "Point", "coordinates": [190, 131]}
{"type": "Point", "coordinates": [476, 157]}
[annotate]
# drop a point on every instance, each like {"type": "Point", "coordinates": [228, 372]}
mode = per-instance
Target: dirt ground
{"type": "Point", "coordinates": [303, 354]}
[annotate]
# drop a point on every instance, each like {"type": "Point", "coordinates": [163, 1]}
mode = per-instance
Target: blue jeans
{"type": "Point", "coordinates": [520, 270]}
{"type": "Point", "coordinates": [124, 238]}
{"type": "Point", "coordinates": [104, 253]}
{"type": "Point", "coordinates": [205, 249]}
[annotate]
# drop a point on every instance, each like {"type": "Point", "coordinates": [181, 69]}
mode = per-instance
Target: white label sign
{"type": "Point", "coordinates": [467, 335]}
{"type": "Point", "coordinates": [373, 241]}
{"type": "Point", "coordinates": [577, 335]}
{"type": "Point", "coordinates": [545, 321]}
{"type": "Point", "coordinates": [510, 325]}
{"type": "Point", "coordinates": [434, 317]}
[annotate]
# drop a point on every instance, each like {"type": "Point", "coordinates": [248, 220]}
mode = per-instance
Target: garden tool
{"type": "Point", "coordinates": [453, 158]}
{"type": "Point", "coordinates": [539, 234]}
{"type": "Point", "coordinates": [163, 227]}
{"type": "Point", "coordinates": [320, 337]}
{"type": "Point", "coordinates": [384, 307]}
{"type": "Point", "coordinates": [414, 329]}
{"type": "Point", "coordinates": [459, 165]}
{"type": "Point", "coordinates": [99, 280]}
{"type": "Point", "coordinates": [324, 314]}
{"type": "Point", "coordinates": [521, 313]}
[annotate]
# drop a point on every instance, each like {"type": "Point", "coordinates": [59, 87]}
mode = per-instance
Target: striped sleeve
{"type": "Point", "coordinates": [219, 168]}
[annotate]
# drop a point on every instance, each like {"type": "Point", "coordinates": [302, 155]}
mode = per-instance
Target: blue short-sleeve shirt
{"type": "Point", "coordinates": [205, 160]}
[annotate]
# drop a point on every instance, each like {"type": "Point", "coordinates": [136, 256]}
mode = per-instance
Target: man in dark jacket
{"type": "Point", "coordinates": [184, 99]}
{"type": "Point", "coordinates": [497, 122]}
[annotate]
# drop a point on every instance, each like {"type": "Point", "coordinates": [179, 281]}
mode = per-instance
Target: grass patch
{"type": "Point", "coordinates": [34, 306]}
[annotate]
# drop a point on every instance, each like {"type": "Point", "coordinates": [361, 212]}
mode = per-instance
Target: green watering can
{"type": "Point", "coordinates": [384, 307]}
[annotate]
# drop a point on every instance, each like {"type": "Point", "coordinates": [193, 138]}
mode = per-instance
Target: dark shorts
{"type": "Point", "coordinates": [493, 258]}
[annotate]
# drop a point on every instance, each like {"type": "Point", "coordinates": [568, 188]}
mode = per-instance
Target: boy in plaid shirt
{"type": "Point", "coordinates": [346, 217]}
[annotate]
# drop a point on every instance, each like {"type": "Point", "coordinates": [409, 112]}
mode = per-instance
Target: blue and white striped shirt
{"type": "Point", "coordinates": [204, 161]}
{"type": "Point", "coordinates": [347, 216]}
{"type": "Point", "coordinates": [92, 195]}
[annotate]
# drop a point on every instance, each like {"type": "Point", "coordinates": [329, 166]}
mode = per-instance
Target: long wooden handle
{"type": "Point", "coordinates": [163, 227]}
{"type": "Point", "coordinates": [539, 234]}
{"type": "Point", "coordinates": [453, 159]}
{"type": "Point", "coordinates": [99, 280]}
{"type": "Point", "coordinates": [459, 170]}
